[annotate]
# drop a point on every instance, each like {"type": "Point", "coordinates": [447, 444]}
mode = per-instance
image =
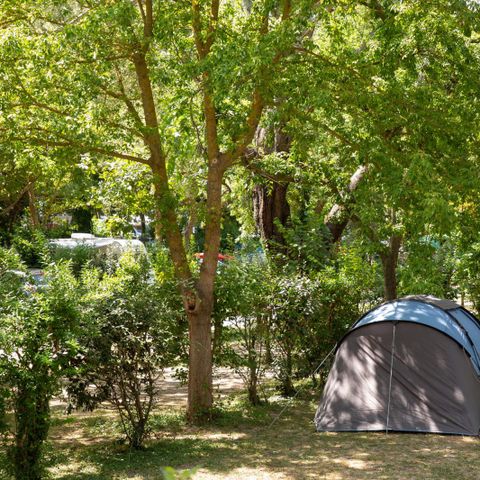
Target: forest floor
{"type": "Point", "coordinates": [240, 444]}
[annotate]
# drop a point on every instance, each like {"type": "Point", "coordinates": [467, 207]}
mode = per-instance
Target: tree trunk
{"type": "Point", "coordinates": [200, 394]}
{"type": "Point", "coordinates": [253, 397]}
{"type": "Point", "coordinates": [143, 226]}
{"type": "Point", "coordinates": [288, 390]}
{"type": "Point", "coordinates": [197, 299]}
{"type": "Point", "coordinates": [200, 398]}
{"type": "Point", "coordinates": [253, 361]}
{"type": "Point", "coordinates": [268, 340]}
{"type": "Point", "coordinates": [389, 260]}
{"type": "Point", "coordinates": [270, 206]}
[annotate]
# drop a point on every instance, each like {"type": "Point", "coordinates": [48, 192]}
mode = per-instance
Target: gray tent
{"type": "Point", "coordinates": [410, 365]}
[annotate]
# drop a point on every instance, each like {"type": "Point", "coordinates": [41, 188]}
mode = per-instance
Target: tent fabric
{"type": "Point", "coordinates": [405, 366]}
{"type": "Point", "coordinates": [438, 302]}
{"type": "Point", "coordinates": [456, 323]}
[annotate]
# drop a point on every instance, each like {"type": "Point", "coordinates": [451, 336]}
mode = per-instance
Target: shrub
{"type": "Point", "coordinates": [31, 244]}
{"type": "Point", "coordinates": [37, 344]}
{"type": "Point", "coordinates": [242, 303]}
{"type": "Point", "coordinates": [126, 342]}
{"type": "Point", "coordinates": [79, 256]}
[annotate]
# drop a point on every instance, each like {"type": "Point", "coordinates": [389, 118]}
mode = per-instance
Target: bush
{"type": "Point", "coordinates": [37, 345]}
{"type": "Point", "coordinates": [242, 302]}
{"type": "Point", "coordinates": [127, 339]}
{"type": "Point", "coordinates": [31, 244]}
{"type": "Point", "coordinates": [79, 256]}
{"type": "Point", "coordinates": [267, 316]}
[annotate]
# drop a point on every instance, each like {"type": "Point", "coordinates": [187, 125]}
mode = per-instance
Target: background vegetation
{"type": "Point", "coordinates": [288, 165]}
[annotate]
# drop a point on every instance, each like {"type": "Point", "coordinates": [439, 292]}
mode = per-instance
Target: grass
{"type": "Point", "coordinates": [239, 444]}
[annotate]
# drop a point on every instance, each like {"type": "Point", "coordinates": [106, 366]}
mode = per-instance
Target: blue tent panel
{"type": "Point", "coordinates": [457, 323]}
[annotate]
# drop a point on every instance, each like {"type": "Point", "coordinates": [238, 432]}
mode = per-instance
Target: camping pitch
{"type": "Point", "coordinates": [409, 365]}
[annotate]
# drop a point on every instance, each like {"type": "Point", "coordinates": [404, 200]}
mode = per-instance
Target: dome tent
{"type": "Point", "coordinates": [412, 365]}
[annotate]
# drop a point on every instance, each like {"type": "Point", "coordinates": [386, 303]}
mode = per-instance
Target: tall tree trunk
{"type": "Point", "coordinates": [200, 397]}
{"type": "Point", "coordinates": [253, 397]}
{"type": "Point", "coordinates": [389, 260]}
{"type": "Point", "coordinates": [197, 299]}
{"type": "Point", "coordinates": [188, 232]}
{"type": "Point", "coordinates": [270, 206]}
{"type": "Point", "coordinates": [200, 393]}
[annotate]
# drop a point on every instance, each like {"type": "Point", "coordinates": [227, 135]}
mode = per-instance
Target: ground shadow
{"type": "Point", "coordinates": [290, 450]}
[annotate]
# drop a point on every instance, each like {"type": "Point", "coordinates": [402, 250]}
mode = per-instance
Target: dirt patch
{"type": "Point", "coordinates": [174, 393]}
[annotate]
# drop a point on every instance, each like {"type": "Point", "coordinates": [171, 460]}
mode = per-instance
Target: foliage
{"type": "Point", "coordinates": [126, 341]}
{"type": "Point", "coordinates": [240, 317]}
{"type": "Point", "coordinates": [170, 473]}
{"type": "Point", "coordinates": [125, 108]}
{"type": "Point", "coordinates": [428, 268]}
{"type": "Point", "coordinates": [264, 314]}
{"type": "Point", "coordinates": [37, 346]}
{"type": "Point", "coordinates": [79, 256]}
{"type": "Point", "coordinates": [31, 244]}
{"type": "Point", "coordinates": [466, 260]}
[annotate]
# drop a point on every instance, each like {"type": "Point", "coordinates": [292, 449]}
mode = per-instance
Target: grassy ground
{"type": "Point", "coordinates": [240, 445]}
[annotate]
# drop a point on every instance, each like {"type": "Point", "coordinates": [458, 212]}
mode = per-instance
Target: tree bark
{"type": "Point", "coordinates": [200, 397]}
{"type": "Point", "coordinates": [253, 397]}
{"type": "Point", "coordinates": [200, 393]}
{"type": "Point", "coordinates": [270, 207]}
{"type": "Point", "coordinates": [389, 260]}
{"type": "Point", "coordinates": [338, 217]}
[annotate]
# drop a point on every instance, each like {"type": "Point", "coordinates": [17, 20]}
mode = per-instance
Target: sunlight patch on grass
{"type": "Point", "coordinates": [240, 445]}
{"type": "Point", "coordinates": [469, 439]}
{"type": "Point", "coordinates": [74, 468]}
{"type": "Point", "coordinates": [354, 463]}
{"type": "Point", "coordinates": [243, 473]}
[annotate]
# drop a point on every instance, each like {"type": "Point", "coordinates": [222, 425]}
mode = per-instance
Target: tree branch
{"type": "Point", "coordinates": [243, 141]}
{"type": "Point", "coordinates": [128, 103]}
{"type": "Point", "coordinates": [81, 148]}
{"type": "Point", "coordinates": [337, 218]}
{"type": "Point", "coordinates": [197, 27]}
{"type": "Point", "coordinates": [5, 211]}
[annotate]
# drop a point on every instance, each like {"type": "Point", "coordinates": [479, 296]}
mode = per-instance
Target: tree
{"type": "Point", "coordinates": [113, 99]}
{"type": "Point", "coordinates": [399, 106]}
